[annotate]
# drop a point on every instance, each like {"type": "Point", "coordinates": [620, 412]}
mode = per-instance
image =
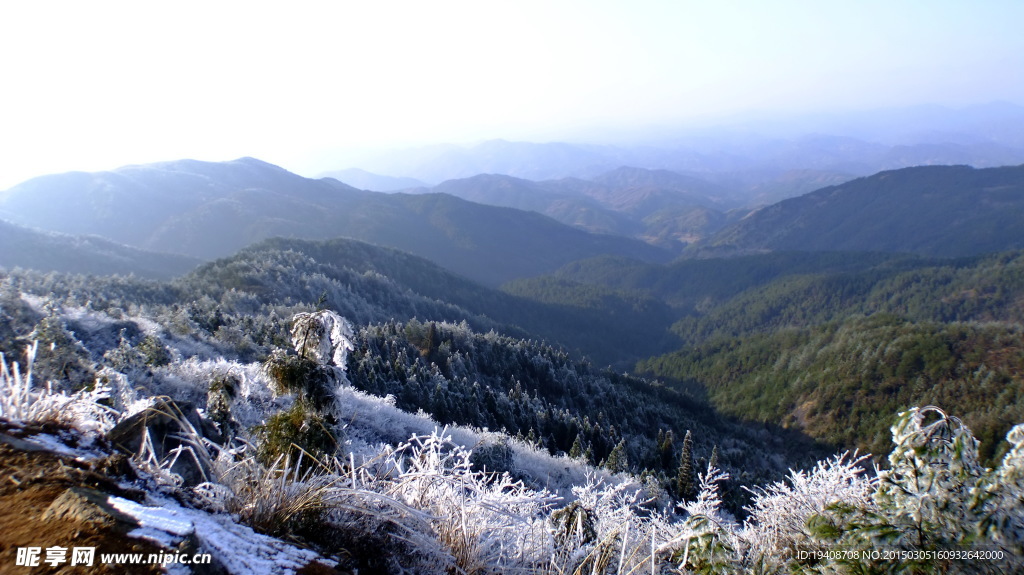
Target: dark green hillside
{"type": "Point", "coordinates": [935, 210]}
{"type": "Point", "coordinates": [699, 284]}
{"type": "Point", "coordinates": [47, 251]}
{"type": "Point", "coordinates": [677, 226]}
{"type": "Point", "coordinates": [839, 381]}
{"type": "Point", "coordinates": [987, 288]}
{"type": "Point", "coordinates": [830, 353]}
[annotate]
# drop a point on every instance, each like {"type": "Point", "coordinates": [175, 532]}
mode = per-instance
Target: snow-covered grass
{"type": "Point", "coordinates": [21, 401]}
{"type": "Point", "coordinates": [269, 498]}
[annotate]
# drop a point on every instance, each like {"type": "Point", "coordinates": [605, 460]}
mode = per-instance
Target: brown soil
{"type": "Point", "coordinates": [30, 480]}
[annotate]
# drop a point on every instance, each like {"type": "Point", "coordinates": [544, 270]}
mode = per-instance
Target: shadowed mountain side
{"type": "Point", "coordinates": [696, 285]}
{"type": "Point", "coordinates": [48, 251]}
{"type": "Point", "coordinates": [211, 210]}
{"type": "Point", "coordinates": [934, 210]}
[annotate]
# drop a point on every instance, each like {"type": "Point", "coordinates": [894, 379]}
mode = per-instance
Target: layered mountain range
{"type": "Point", "coordinates": [496, 228]}
{"type": "Point", "coordinates": [208, 210]}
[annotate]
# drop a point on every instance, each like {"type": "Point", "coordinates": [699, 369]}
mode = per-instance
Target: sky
{"type": "Point", "coordinates": [305, 85]}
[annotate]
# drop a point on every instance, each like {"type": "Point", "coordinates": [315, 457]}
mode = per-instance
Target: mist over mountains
{"type": "Point", "coordinates": [616, 253]}
{"type": "Point", "coordinates": [755, 146]}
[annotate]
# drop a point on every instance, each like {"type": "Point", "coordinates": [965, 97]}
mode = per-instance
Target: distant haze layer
{"type": "Point", "coordinates": [95, 86]}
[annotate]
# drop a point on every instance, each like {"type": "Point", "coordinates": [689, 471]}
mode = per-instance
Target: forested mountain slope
{"type": "Point", "coordinates": [370, 284]}
{"type": "Point", "coordinates": [940, 211]}
{"type": "Point", "coordinates": [829, 353]}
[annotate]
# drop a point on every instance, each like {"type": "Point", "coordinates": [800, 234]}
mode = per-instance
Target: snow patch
{"type": "Point", "coordinates": [165, 519]}
{"type": "Point", "coordinates": [57, 445]}
{"type": "Point", "coordinates": [239, 549]}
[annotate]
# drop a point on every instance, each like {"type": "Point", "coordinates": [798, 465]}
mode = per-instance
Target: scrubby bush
{"type": "Point", "coordinates": [219, 397]}
{"type": "Point", "coordinates": [304, 377]}
{"type": "Point", "coordinates": [295, 431]}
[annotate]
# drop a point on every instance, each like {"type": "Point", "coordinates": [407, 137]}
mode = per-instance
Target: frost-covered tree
{"type": "Point", "coordinates": [708, 541]}
{"type": "Point", "coordinates": [322, 341]}
{"type": "Point", "coordinates": [322, 336]}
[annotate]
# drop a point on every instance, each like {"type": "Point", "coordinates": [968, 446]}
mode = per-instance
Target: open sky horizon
{"type": "Point", "coordinates": [93, 86]}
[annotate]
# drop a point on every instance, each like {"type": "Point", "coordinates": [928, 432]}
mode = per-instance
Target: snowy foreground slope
{"type": "Point", "coordinates": [401, 495]}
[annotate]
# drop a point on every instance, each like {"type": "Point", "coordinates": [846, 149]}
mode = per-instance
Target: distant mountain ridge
{"type": "Point", "coordinates": [658, 206]}
{"type": "Point", "coordinates": [50, 251]}
{"type": "Point", "coordinates": [375, 182]}
{"type": "Point", "coordinates": [208, 210]}
{"type": "Point", "coordinates": [928, 210]}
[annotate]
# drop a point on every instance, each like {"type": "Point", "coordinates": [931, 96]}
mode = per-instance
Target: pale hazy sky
{"type": "Point", "coordinates": [96, 85]}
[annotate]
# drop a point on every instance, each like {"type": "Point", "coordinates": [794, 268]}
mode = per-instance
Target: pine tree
{"type": "Point", "coordinates": [713, 462]}
{"type": "Point", "coordinates": [686, 484]}
{"type": "Point", "coordinates": [576, 451]}
{"type": "Point", "coordinates": [617, 460]}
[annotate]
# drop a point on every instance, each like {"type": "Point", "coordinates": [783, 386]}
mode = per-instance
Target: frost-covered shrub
{"type": "Point", "coordinates": [137, 359]}
{"type": "Point", "coordinates": [1000, 501]}
{"type": "Point", "coordinates": [309, 425]}
{"type": "Point", "coordinates": [934, 496]}
{"type": "Point", "coordinates": [303, 377]}
{"type": "Point", "coordinates": [62, 358]}
{"type": "Point", "coordinates": [219, 397]}
{"type": "Point", "coordinates": [493, 458]}
{"type": "Point", "coordinates": [487, 523]}
{"type": "Point", "coordinates": [574, 525]}
{"type": "Point", "coordinates": [777, 530]}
